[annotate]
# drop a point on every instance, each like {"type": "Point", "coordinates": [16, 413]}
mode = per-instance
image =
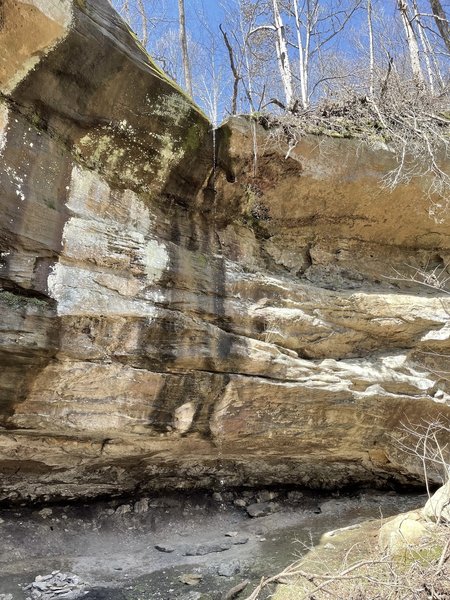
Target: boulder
{"type": "Point", "coordinates": [229, 569]}
{"type": "Point", "coordinates": [437, 508]}
{"type": "Point", "coordinates": [262, 509]}
{"type": "Point", "coordinates": [404, 532]}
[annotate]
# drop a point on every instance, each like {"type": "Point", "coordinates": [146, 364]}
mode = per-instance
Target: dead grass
{"type": "Point", "coordinates": [351, 567]}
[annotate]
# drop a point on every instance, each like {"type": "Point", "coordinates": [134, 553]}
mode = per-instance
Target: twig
{"type": "Point", "coordinates": [443, 558]}
{"type": "Point", "coordinates": [293, 571]}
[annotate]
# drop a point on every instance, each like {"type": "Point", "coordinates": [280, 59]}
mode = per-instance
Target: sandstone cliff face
{"type": "Point", "coordinates": [171, 319]}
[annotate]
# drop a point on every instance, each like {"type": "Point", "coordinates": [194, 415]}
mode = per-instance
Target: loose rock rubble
{"type": "Point", "coordinates": [203, 548]}
{"type": "Point", "coordinates": [208, 548]}
{"type": "Point", "coordinates": [229, 568]}
{"type": "Point", "coordinates": [262, 509]}
{"type": "Point", "coordinates": [141, 506]}
{"type": "Point", "coordinates": [56, 585]}
{"type": "Point", "coordinates": [190, 578]}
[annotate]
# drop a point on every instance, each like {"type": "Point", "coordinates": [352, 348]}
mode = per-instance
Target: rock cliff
{"type": "Point", "coordinates": [177, 313]}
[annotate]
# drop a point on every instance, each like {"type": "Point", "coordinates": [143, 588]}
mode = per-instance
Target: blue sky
{"type": "Point", "coordinates": [210, 8]}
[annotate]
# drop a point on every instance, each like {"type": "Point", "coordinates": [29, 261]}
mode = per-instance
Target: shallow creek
{"type": "Point", "coordinates": [203, 539]}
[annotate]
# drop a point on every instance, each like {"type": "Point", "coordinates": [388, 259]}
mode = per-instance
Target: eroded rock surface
{"type": "Point", "coordinates": [170, 320]}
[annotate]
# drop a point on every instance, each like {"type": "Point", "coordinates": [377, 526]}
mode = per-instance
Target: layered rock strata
{"type": "Point", "coordinates": [176, 314]}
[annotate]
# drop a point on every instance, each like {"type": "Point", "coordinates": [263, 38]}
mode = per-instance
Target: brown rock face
{"type": "Point", "coordinates": [171, 323]}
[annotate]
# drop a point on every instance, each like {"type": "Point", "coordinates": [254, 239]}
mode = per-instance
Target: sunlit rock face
{"type": "Point", "coordinates": [175, 315]}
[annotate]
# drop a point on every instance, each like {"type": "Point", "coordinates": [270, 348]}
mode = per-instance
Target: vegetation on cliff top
{"type": "Point", "coordinates": [373, 70]}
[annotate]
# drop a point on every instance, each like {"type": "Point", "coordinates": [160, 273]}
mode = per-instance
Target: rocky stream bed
{"type": "Point", "coordinates": [181, 546]}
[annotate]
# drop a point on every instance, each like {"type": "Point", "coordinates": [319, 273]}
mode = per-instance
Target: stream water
{"type": "Point", "coordinates": [111, 545]}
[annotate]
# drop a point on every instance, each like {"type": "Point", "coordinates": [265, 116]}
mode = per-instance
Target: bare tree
{"type": "Point", "coordinates": [244, 45]}
{"type": "Point", "coordinates": [144, 22]}
{"type": "Point", "coordinates": [166, 52]}
{"type": "Point", "coordinates": [234, 70]}
{"type": "Point", "coordinates": [294, 54]}
{"type": "Point", "coordinates": [411, 39]}
{"type": "Point", "coordinates": [184, 47]}
{"type": "Point", "coordinates": [303, 55]}
{"type": "Point", "coordinates": [317, 25]}
{"type": "Point", "coordinates": [424, 43]}
{"type": "Point", "coordinates": [283, 55]}
{"type": "Point", "coordinates": [142, 16]}
{"type": "Point", "coordinates": [281, 48]}
{"type": "Point", "coordinates": [124, 10]}
{"type": "Point", "coordinates": [371, 49]}
{"type": "Point", "coordinates": [441, 21]}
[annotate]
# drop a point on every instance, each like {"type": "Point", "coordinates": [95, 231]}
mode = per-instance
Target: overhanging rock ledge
{"type": "Point", "coordinates": [166, 324]}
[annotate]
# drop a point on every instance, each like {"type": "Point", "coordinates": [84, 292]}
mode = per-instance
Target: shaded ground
{"type": "Point", "coordinates": [111, 545]}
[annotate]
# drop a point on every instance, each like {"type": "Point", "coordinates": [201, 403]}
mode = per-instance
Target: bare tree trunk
{"type": "Point", "coordinates": [245, 37]}
{"type": "Point", "coordinates": [282, 55]}
{"type": "Point", "coordinates": [144, 22]}
{"type": "Point", "coordinates": [425, 45]}
{"type": "Point", "coordinates": [311, 14]}
{"type": "Point", "coordinates": [411, 39]}
{"type": "Point", "coordinates": [384, 85]}
{"type": "Point", "coordinates": [301, 60]}
{"type": "Point", "coordinates": [441, 21]}
{"type": "Point", "coordinates": [184, 47]}
{"type": "Point", "coordinates": [371, 49]}
{"type": "Point", "coordinates": [234, 70]}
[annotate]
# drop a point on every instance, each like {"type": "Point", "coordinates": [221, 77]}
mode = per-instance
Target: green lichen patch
{"type": "Point", "coordinates": [19, 302]}
{"type": "Point", "coordinates": [193, 137]}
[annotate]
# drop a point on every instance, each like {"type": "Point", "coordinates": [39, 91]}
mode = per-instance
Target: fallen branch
{"type": "Point", "coordinates": [236, 590]}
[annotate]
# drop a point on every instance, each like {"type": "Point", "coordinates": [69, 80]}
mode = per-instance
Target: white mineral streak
{"type": "Point", "coordinates": [110, 257]}
{"type": "Point", "coordinates": [57, 10]}
{"type": "Point", "coordinates": [438, 334]}
{"type": "Point", "coordinates": [3, 126]}
{"type": "Point", "coordinates": [156, 260]}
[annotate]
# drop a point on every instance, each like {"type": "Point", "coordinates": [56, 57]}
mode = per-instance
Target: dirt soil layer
{"type": "Point", "coordinates": [186, 547]}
